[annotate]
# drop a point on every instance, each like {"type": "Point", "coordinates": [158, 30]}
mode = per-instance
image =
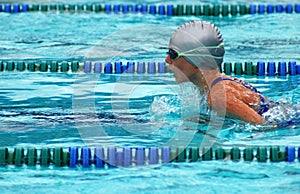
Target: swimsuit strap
{"type": "Point", "coordinates": [218, 79]}
{"type": "Point", "coordinates": [245, 84]}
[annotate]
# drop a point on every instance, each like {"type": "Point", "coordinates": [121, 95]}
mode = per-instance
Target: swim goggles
{"type": "Point", "coordinates": [174, 55]}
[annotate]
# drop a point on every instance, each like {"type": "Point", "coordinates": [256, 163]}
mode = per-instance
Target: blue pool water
{"type": "Point", "coordinates": [70, 109]}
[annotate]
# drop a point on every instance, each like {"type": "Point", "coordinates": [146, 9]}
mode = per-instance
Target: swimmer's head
{"type": "Point", "coordinates": [200, 43]}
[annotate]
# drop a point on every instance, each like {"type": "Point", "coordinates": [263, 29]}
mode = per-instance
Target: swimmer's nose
{"type": "Point", "coordinates": [168, 60]}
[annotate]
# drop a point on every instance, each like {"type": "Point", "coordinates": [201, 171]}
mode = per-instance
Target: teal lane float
{"type": "Point", "coordinates": [168, 10]}
{"type": "Point", "coordinates": [110, 157]}
{"type": "Point", "coordinates": [260, 68]}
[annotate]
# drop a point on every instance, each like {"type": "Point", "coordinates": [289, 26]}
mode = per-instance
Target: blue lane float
{"type": "Point", "coordinates": [165, 154]}
{"type": "Point", "coordinates": [118, 67]}
{"type": "Point", "coordinates": [87, 66]}
{"type": "Point", "coordinates": [292, 68]}
{"type": "Point", "coordinates": [125, 9]}
{"type": "Point", "coordinates": [16, 8]}
{"type": "Point", "coordinates": [170, 10]}
{"type": "Point", "coordinates": [73, 157]}
{"type": "Point", "coordinates": [152, 9]}
{"type": "Point", "coordinates": [112, 157]}
{"type": "Point", "coordinates": [271, 69]}
{"type": "Point", "coordinates": [270, 8]}
{"type": "Point", "coordinates": [153, 155]}
{"type": "Point", "coordinates": [298, 69]}
{"type": "Point", "coordinates": [140, 156]}
{"type": "Point", "coordinates": [7, 8]}
{"type": "Point", "coordinates": [282, 69]}
{"type": "Point", "coordinates": [117, 8]}
{"type": "Point", "coordinates": [161, 67]}
{"type": "Point", "coordinates": [97, 67]}
{"type": "Point", "coordinates": [130, 67]}
{"type": "Point", "coordinates": [108, 69]}
{"type": "Point", "coordinates": [161, 10]}
{"type": "Point", "coordinates": [134, 8]}
{"type": "Point", "coordinates": [261, 9]}
{"type": "Point", "coordinates": [144, 9]}
{"type": "Point", "coordinates": [252, 9]}
{"type": "Point", "coordinates": [261, 68]}
{"type": "Point", "coordinates": [127, 154]}
{"type": "Point", "coordinates": [297, 8]}
{"type": "Point", "coordinates": [151, 68]}
{"type": "Point", "coordinates": [86, 157]}
{"type": "Point", "coordinates": [107, 8]}
{"type": "Point", "coordinates": [289, 8]}
{"type": "Point", "coordinates": [141, 68]}
{"type": "Point", "coordinates": [99, 157]}
{"type": "Point", "coordinates": [279, 8]}
{"type": "Point", "coordinates": [290, 152]}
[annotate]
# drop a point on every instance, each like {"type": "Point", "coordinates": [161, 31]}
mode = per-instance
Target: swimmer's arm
{"type": "Point", "coordinates": [235, 107]}
{"type": "Point", "coordinates": [243, 112]}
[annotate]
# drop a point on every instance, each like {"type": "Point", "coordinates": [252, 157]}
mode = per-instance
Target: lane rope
{"type": "Point", "coordinates": [111, 157]}
{"type": "Point", "coordinates": [216, 10]}
{"type": "Point", "coordinates": [259, 68]}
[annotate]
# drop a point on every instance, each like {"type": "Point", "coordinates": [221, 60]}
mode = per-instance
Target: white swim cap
{"type": "Point", "coordinates": [200, 43]}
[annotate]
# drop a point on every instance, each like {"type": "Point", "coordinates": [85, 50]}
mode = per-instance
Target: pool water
{"type": "Point", "coordinates": [207, 177]}
{"type": "Point", "coordinates": [74, 109]}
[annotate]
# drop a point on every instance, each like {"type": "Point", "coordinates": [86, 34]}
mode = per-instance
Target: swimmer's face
{"type": "Point", "coordinates": [181, 68]}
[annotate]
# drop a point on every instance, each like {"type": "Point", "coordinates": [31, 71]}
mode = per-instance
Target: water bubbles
{"type": "Point", "coordinates": [165, 106]}
{"type": "Point", "coordinates": [186, 104]}
{"type": "Point", "coordinates": [283, 113]}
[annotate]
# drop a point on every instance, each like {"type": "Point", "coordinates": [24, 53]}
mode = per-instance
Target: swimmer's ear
{"type": "Point", "coordinates": [218, 52]}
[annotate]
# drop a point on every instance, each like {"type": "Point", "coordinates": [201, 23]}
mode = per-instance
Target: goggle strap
{"type": "Point", "coordinates": [200, 55]}
{"type": "Point", "coordinates": [201, 47]}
